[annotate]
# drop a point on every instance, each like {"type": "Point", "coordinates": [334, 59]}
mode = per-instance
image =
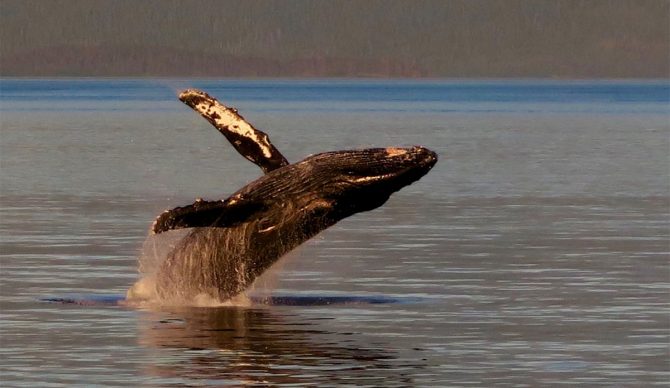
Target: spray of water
{"type": "Point", "coordinates": [208, 267]}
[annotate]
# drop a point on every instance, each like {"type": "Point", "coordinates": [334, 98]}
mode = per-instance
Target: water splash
{"type": "Point", "coordinates": [156, 249]}
{"type": "Point", "coordinates": [178, 268]}
{"type": "Point", "coordinates": [153, 254]}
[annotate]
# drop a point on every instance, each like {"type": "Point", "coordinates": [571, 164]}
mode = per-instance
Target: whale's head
{"type": "Point", "coordinates": [360, 180]}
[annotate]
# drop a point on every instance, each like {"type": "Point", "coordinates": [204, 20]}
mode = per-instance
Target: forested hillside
{"type": "Point", "coordinates": [389, 38]}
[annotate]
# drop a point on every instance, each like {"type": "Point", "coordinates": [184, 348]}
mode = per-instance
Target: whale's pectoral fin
{"type": "Point", "coordinates": [218, 214]}
{"type": "Point", "coordinates": [247, 140]}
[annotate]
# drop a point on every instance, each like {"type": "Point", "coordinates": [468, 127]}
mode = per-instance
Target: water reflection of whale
{"type": "Point", "coordinates": [242, 346]}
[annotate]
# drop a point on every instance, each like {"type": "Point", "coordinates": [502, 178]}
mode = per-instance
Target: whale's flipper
{"type": "Point", "coordinates": [207, 214]}
{"type": "Point", "coordinates": [247, 140]}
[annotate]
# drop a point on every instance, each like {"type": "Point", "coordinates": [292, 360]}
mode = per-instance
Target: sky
{"type": "Point", "coordinates": [336, 38]}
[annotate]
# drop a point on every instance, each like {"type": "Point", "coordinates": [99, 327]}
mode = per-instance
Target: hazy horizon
{"type": "Point", "coordinates": [302, 38]}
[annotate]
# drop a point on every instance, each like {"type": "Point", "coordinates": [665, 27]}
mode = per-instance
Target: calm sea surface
{"type": "Point", "coordinates": [536, 252]}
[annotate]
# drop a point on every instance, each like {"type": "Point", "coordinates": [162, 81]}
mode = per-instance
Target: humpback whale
{"type": "Point", "coordinates": [234, 240]}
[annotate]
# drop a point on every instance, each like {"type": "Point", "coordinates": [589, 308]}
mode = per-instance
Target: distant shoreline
{"type": "Point", "coordinates": [351, 78]}
{"type": "Point", "coordinates": [385, 39]}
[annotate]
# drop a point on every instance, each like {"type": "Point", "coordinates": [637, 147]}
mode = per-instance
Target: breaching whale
{"type": "Point", "coordinates": [234, 240]}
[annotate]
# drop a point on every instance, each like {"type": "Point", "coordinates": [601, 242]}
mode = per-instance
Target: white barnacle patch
{"type": "Point", "coordinates": [233, 200]}
{"type": "Point", "coordinates": [394, 151]}
{"type": "Point", "coordinates": [227, 118]}
{"type": "Point", "coordinates": [158, 219]}
{"type": "Point", "coordinates": [247, 140]}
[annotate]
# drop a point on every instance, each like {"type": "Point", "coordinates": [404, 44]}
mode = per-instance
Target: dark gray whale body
{"type": "Point", "coordinates": [235, 240]}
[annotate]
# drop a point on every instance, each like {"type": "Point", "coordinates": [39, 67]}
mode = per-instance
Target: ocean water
{"type": "Point", "coordinates": [535, 253]}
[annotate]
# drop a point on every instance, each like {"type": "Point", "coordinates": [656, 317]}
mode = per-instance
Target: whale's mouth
{"type": "Point", "coordinates": [372, 178]}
